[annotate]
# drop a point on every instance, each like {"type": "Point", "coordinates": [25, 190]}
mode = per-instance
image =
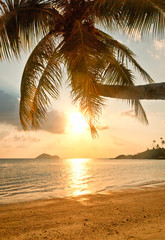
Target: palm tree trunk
{"type": "Point", "coordinates": [154, 91]}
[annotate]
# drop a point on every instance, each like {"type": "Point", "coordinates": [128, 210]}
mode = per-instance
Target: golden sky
{"type": "Point", "coordinates": [119, 131]}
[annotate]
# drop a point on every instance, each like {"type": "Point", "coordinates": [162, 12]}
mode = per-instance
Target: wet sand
{"type": "Point", "coordinates": [126, 215]}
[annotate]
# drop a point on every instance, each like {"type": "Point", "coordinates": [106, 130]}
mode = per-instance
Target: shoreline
{"type": "Point", "coordinates": [103, 192]}
{"type": "Point", "coordinates": [117, 215]}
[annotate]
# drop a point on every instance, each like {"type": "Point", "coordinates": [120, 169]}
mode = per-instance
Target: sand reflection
{"type": "Point", "coordinates": [79, 176]}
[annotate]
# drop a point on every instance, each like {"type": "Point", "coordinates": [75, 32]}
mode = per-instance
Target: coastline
{"type": "Point", "coordinates": [121, 215]}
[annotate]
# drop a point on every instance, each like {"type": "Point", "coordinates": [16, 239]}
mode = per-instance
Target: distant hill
{"type": "Point", "coordinates": [47, 156]}
{"type": "Point", "coordinates": [148, 154]}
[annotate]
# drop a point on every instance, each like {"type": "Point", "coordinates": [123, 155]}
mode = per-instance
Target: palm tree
{"type": "Point", "coordinates": [157, 146]}
{"type": "Point", "coordinates": [69, 35]}
{"type": "Point", "coordinates": [161, 140]}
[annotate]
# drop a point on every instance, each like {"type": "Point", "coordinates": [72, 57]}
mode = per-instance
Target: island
{"type": "Point", "coordinates": [47, 156]}
{"type": "Point", "coordinates": [158, 153]}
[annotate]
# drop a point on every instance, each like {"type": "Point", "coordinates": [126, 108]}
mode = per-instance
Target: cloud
{"type": "Point", "coordinates": [19, 138]}
{"type": "Point", "coordinates": [153, 54]}
{"type": "Point", "coordinates": [130, 113]}
{"type": "Point", "coordinates": [14, 141]}
{"type": "Point", "coordinates": [160, 45]}
{"type": "Point", "coordinates": [101, 128]}
{"type": "Point", "coordinates": [55, 121]}
{"type": "Point", "coordinates": [158, 49]}
{"type": "Point", "coordinates": [9, 109]}
{"type": "Point", "coordinates": [117, 141]}
{"type": "Point", "coordinates": [3, 134]}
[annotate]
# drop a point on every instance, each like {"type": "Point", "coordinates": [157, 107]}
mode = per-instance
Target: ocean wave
{"type": "Point", "coordinates": [23, 180]}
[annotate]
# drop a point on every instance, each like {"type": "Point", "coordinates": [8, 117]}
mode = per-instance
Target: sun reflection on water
{"type": "Point", "coordinates": [79, 175]}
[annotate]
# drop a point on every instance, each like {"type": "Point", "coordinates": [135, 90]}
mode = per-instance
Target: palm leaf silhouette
{"type": "Point", "coordinates": [67, 34]}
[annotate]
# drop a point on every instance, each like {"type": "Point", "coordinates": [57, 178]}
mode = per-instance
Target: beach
{"type": "Point", "coordinates": [127, 214]}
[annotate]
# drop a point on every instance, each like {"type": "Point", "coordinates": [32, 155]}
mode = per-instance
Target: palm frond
{"type": "Point", "coordinates": [117, 71]}
{"type": "Point", "coordinates": [160, 4]}
{"type": "Point", "coordinates": [22, 22]}
{"type": "Point", "coordinates": [139, 110]}
{"type": "Point", "coordinates": [131, 16]}
{"type": "Point", "coordinates": [123, 55]}
{"type": "Point", "coordinates": [60, 4]}
{"type": "Point", "coordinates": [40, 82]}
{"type": "Point", "coordinates": [91, 56]}
{"type": "Point", "coordinates": [106, 12]}
{"type": "Point", "coordinates": [84, 62]}
{"type": "Point", "coordinates": [144, 16]}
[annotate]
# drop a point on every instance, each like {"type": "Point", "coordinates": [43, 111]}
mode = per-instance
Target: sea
{"type": "Point", "coordinates": [31, 179]}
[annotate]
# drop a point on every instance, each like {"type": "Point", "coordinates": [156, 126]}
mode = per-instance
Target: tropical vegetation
{"type": "Point", "coordinates": [69, 37]}
{"type": "Point", "coordinates": [157, 151]}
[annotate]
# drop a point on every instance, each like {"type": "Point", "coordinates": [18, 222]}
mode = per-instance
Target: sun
{"type": "Point", "coordinates": [77, 123]}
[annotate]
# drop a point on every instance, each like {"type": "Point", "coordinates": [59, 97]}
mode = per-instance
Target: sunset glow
{"type": "Point", "coordinates": [77, 123]}
{"type": "Point", "coordinates": [79, 168]}
{"type": "Point", "coordinates": [65, 136]}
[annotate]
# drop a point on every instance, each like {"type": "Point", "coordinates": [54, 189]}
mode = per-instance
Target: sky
{"type": "Point", "coordinates": [119, 131]}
